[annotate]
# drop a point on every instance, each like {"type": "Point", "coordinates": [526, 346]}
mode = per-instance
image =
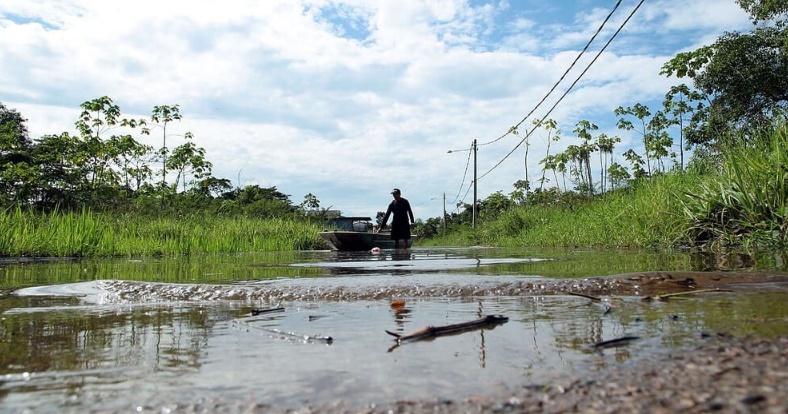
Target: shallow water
{"type": "Point", "coordinates": [107, 336]}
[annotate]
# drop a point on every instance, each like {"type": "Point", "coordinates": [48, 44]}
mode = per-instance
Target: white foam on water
{"type": "Point", "coordinates": [91, 292]}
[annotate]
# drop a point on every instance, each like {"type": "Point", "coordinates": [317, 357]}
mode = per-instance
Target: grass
{"type": "Point", "coordinates": [747, 201]}
{"type": "Point", "coordinates": [68, 234]}
{"type": "Point", "coordinates": [742, 203]}
{"type": "Point", "coordinates": [644, 216]}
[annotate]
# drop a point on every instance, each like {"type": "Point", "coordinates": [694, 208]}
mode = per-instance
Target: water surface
{"type": "Point", "coordinates": [289, 330]}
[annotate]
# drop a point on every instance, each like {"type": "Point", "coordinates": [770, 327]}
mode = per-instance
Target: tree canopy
{"type": "Point", "coordinates": [104, 166]}
{"type": "Point", "coordinates": [744, 76]}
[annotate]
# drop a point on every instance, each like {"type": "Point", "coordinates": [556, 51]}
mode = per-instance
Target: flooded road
{"type": "Point", "coordinates": [246, 332]}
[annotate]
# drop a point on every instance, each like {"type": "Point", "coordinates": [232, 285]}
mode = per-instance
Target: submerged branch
{"type": "Point", "coordinates": [430, 331]}
{"type": "Point", "coordinates": [625, 340]}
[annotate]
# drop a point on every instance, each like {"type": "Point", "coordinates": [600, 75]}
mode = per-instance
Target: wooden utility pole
{"type": "Point", "coordinates": [473, 220]}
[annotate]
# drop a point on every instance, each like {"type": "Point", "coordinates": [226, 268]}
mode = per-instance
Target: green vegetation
{"type": "Point", "coordinates": [85, 233]}
{"type": "Point", "coordinates": [100, 192]}
{"type": "Point", "coordinates": [731, 193]}
{"type": "Point", "coordinates": [746, 202]}
{"type": "Point", "coordinates": [742, 201]}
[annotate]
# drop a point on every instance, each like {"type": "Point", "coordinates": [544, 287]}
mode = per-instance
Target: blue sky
{"type": "Point", "coordinates": [348, 99]}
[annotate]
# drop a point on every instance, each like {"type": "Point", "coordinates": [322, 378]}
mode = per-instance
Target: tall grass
{"type": "Point", "coordinates": [88, 234]}
{"type": "Point", "coordinates": [642, 216]}
{"type": "Point", "coordinates": [742, 204]}
{"type": "Point", "coordinates": [747, 203]}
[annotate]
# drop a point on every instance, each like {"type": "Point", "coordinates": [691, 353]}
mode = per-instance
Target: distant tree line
{"type": "Point", "coordinates": [103, 167]}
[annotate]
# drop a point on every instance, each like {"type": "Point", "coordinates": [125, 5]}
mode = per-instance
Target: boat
{"type": "Point", "coordinates": [356, 234]}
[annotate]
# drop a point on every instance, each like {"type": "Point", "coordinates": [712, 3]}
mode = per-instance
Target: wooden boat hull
{"type": "Point", "coordinates": [358, 241]}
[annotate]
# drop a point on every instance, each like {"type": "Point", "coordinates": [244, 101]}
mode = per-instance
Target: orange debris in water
{"type": "Point", "coordinates": [397, 304]}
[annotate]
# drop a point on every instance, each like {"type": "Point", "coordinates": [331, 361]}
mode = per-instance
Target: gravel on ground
{"type": "Point", "coordinates": [720, 375]}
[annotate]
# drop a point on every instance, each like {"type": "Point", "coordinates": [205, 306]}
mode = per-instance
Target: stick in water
{"type": "Point", "coordinates": [434, 331]}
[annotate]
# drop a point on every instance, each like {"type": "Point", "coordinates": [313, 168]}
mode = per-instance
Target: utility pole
{"type": "Point", "coordinates": [473, 210]}
{"type": "Point", "coordinates": [444, 214]}
{"type": "Point", "coordinates": [473, 220]}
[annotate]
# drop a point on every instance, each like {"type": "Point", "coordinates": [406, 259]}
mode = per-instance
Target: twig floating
{"type": "Point", "coordinates": [624, 340]}
{"type": "Point", "coordinates": [430, 331]}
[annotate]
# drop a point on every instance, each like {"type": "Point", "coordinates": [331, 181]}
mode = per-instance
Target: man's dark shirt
{"type": "Point", "coordinates": [400, 224]}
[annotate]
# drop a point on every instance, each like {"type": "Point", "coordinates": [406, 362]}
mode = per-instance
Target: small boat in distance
{"type": "Point", "coordinates": [356, 234]}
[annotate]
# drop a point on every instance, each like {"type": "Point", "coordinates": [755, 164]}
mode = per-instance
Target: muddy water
{"type": "Point", "coordinates": [244, 332]}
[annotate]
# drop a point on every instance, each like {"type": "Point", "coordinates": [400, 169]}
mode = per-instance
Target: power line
{"type": "Point", "coordinates": [567, 91]}
{"type": "Point", "coordinates": [561, 79]}
{"type": "Point", "coordinates": [464, 175]}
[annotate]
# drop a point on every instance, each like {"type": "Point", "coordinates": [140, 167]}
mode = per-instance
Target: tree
{"type": "Point", "coordinates": [13, 131]}
{"type": "Point", "coordinates": [257, 201]}
{"type": "Point", "coordinates": [548, 163]}
{"type": "Point", "coordinates": [660, 142]}
{"type": "Point", "coordinates": [640, 112]}
{"type": "Point", "coordinates": [526, 145]}
{"type": "Point", "coordinates": [93, 158]}
{"type": "Point", "coordinates": [16, 168]}
{"type": "Point", "coordinates": [98, 115]}
{"type": "Point", "coordinates": [636, 161]}
{"type": "Point", "coordinates": [681, 104]}
{"type": "Point", "coordinates": [310, 204]}
{"type": "Point", "coordinates": [189, 159]}
{"type": "Point", "coordinates": [131, 159]}
{"type": "Point", "coordinates": [162, 115]}
{"type": "Point", "coordinates": [761, 10]}
{"type": "Point", "coordinates": [553, 135]}
{"type": "Point", "coordinates": [744, 76]}
{"type": "Point", "coordinates": [618, 175]}
{"type": "Point", "coordinates": [495, 204]}
{"type": "Point", "coordinates": [213, 187]}
{"type": "Point", "coordinates": [581, 154]}
{"type": "Point", "coordinates": [605, 145]}
{"type": "Point", "coordinates": [58, 181]}
{"type": "Point", "coordinates": [97, 160]}
{"type": "Point", "coordinates": [521, 188]}
{"type": "Point", "coordinates": [561, 161]}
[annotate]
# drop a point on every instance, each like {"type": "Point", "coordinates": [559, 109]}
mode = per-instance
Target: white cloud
{"type": "Point", "coordinates": [345, 99]}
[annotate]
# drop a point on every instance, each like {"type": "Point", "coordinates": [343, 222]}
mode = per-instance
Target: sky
{"type": "Point", "coordinates": [347, 100]}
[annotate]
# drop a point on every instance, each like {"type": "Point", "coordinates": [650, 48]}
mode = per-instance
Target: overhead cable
{"type": "Point", "coordinates": [567, 91]}
{"type": "Point", "coordinates": [464, 175]}
{"type": "Point", "coordinates": [561, 79]}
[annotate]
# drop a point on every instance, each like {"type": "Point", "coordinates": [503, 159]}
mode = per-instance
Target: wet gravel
{"type": "Point", "coordinates": [634, 284]}
{"type": "Point", "coordinates": [720, 375]}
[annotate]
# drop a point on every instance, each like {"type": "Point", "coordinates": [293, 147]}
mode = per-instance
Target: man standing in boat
{"type": "Point", "coordinates": [403, 218]}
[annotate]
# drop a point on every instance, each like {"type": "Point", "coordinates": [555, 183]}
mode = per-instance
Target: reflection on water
{"type": "Point", "coordinates": [103, 343]}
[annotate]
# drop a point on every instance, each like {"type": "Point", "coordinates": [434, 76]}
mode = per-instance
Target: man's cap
{"type": "Point", "coordinates": [395, 191]}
